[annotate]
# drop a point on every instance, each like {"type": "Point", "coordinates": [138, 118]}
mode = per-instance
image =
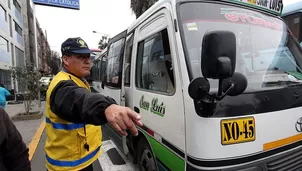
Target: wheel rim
{"type": "Point", "coordinates": [147, 162]}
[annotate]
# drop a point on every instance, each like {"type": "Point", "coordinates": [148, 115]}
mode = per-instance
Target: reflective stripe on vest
{"type": "Point", "coordinates": [72, 163]}
{"type": "Point", "coordinates": [64, 126]}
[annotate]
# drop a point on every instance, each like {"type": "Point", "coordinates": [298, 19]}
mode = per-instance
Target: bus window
{"type": "Point", "coordinates": [114, 63]}
{"type": "Point", "coordinates": [128, 54]}
{"type": "Point", "coordinates": [294, 24]}
{"type": "Point", "coordinates": [292, 16]}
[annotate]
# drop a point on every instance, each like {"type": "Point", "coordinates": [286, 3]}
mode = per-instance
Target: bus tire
{"type": "Point", "coordinates": [146, 160]}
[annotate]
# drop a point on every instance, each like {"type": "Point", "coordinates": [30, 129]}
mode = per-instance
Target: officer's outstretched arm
{"type": "Point", "coordinates": [75, 104]}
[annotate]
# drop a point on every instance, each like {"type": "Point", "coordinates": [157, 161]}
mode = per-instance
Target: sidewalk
{"type": "Point", "coordinates": [26, 128]}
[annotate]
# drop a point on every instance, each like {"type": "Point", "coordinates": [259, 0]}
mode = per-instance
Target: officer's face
{"type": "Point", "coordinates": [78, 64]}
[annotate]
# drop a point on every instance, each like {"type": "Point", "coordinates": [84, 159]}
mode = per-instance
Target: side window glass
{"type": "Point", "coordinates": [128, 54]}
{"type": "Point", "coordinates": [95, 70]}
{"type": "Point", "coordinates": [103, 63]}
{"type": "Point", "coordinates": [154, 69]}
{"type": "Point", "coordinates": [99, 69]}
{"type": "Point", "coordinates": [113, 62]}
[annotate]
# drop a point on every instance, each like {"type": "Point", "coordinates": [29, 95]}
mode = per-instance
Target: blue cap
{"type": "Point", "coordinates": [75, 45]}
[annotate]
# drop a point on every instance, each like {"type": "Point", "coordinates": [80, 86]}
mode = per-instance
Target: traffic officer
{"type": "Point", "coordinates": [74, 114]}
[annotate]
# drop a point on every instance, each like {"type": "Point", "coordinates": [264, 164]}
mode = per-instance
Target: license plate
{"type": "Point", "coordinates": [237, 130]}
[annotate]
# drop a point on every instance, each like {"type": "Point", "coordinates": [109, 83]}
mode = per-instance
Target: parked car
{"type": "Point", "coordinates": [45, 81]}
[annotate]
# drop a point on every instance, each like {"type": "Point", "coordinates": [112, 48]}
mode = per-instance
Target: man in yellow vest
{"type": "Point", "coordinates": [74, 114]}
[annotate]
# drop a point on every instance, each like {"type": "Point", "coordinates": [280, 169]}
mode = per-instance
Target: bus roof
{"type": "Point", "coordinates": [268, 8]}
{"type": "Point", "coordinates": [292, 8]}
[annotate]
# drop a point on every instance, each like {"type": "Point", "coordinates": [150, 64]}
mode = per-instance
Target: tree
{"type": "Point", "coordinates": [103, 43]}
{"type": "Point", "coordinates": [53, 61]}
{"type": "Point", "coordinates": [140, 6]}
{"type": "Point", "coordinates": [28, 78]}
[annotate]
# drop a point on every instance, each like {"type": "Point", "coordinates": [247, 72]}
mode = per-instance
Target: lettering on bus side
{"type": "Point", "coordinates": [158, 108]}
{"type": "Point", "coordinates": [155, 107]}
{"type": "Point", "coordinates": [144, 104]}
{"type": "Point", "coordinates": [237, 130]}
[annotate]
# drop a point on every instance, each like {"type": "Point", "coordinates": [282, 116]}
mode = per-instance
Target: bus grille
{"type": "Point", "coordinates": [289, 162]}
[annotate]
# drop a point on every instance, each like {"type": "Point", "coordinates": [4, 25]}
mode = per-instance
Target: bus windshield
{"type": "Point", "coordinates": [267, 53]}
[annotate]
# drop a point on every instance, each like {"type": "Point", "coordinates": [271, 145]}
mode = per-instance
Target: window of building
{"type": "Point", "coordinates": [5, 78]}
{"type": "Point", "coordinates": [20, 62]}
{"type": "Point", "coordinates": [10, 25]}
{"type": "Point", "coordinates": [154, 71]}
{"type": "Point", "coordinates": [114, 62]}
{"type": "Point", "coordinates": [3, 13]}
{"type": "Point", "coordinates": [18, 29]}
{"type": "Point", "coordinates": [17, 5]}
{"type": "Point", "coordinates": [8, 2]}
{"type": "Point", "coordinates": [4, 46]}
{"type": "Point", "coordinates": [12, 54]}
{"type": "Point", "coordinates": [128, 54]}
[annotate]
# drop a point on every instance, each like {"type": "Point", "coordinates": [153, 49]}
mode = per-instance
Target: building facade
{"type": "Point", "coordinates": [43, 48]}
{"type": "Point", "coordinates": [11, 40]}
{"type": "Point", "coordinates": [17, 40]}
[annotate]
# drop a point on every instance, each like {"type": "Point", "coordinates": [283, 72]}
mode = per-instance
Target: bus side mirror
{"type": "Point", "coordinates": [199, 88]}
{"type": "Point", "coordinates": [218, 56]}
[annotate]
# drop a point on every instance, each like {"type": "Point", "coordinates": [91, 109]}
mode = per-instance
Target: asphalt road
{"type": "Point", "coordinates": [111, 159]}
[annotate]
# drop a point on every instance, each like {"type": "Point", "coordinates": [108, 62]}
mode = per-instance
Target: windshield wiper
{"type": "Point", "coordinates": [281, 82]}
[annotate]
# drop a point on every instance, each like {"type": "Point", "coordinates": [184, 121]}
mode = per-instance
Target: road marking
{"type": "Point", "coordinates": [35, 140]}
{"type": "Point", "coordinates": [107, 164]}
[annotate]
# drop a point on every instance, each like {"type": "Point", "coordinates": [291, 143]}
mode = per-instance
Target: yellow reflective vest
{"type": "Point", "coordinates": [65, 140]}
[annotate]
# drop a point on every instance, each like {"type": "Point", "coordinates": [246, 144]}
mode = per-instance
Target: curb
{"type": "Point", "coordinates": [35, 140]}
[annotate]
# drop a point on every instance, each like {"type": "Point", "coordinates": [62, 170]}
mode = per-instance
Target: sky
{"type": "Point", "coordinates": [287, 2]}
{"type": "Point", "coordinates": [104, 16]}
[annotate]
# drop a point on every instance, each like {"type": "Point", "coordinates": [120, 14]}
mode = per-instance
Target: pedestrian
{"type": "Point", "coordinates": [13, 151]}
{"type": "Point", "coordinates": [74, 114]}
{"type": "Point", "coordinates": [3, 94]}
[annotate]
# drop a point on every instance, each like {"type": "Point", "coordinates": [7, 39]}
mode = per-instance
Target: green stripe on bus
{"type": "Point", "coordinates": [171, 160]}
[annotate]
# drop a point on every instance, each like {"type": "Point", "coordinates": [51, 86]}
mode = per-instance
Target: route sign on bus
{"type": "Point", "coordinates": [274, 6]}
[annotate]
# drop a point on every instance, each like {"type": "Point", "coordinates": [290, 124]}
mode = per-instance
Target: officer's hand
{"type": "Point", "coordinates": [122, 119]}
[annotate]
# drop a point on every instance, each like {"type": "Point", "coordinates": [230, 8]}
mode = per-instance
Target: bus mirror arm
{"type": "Point", "coordinates": [205, 102]}
{"type": "Point", "coordinates": [202, 94]}
{"type": "Point", "coordinates": [102, 85]}
{"type": "Point", "coordinates": [231, 86]}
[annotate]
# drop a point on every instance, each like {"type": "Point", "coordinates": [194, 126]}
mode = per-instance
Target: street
{"type": "Point", "coordinates": [209, 85]}
{"type": "Point", "coordinates": [34, 136]}
{"type": "Point", "coordinates": [110, 160]}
